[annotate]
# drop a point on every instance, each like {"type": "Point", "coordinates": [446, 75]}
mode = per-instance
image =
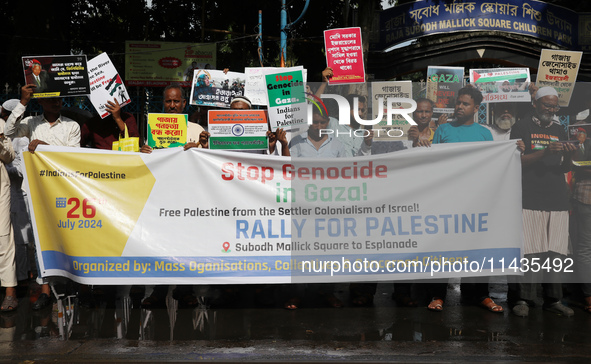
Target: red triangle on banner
{"type": "Point", "coordinates": [476, 76]}
{"type": "Point", "coordinates": [118, 79]}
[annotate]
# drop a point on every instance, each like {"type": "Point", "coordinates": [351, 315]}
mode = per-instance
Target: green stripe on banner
{"type": "Point", "coordinates": [501, 78]}
{"type": "Point", "coordinates": [248, 143]}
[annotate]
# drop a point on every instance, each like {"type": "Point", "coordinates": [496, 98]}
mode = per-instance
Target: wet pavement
{"type": "Point", "coordinates": [107, 324]}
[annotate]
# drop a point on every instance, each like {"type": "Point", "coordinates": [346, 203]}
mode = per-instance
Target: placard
{"type": "Point", "coordinates": [216, 88]}
{"type": "Point", "coordinates": [344, 54]}
{"type": "Point", "coordinates": [237, 129]}
{"type": "Point", "coordinates": [167, 130]}
{"type": "Point", "coordinates": [105, 84]}
{"type": "Point", "coordinates": [57, 76]}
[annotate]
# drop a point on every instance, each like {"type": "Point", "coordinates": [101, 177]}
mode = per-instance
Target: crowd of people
{"type": "Point", "coordinates": [546, 157]}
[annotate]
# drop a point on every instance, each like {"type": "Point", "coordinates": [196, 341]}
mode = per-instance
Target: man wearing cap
{"type": "Point", "coordinates": [545, 201]}
{"type": "Point", "coordinates": [7, 263]}
{"type": "Point", "coordinates": [38, 76]}
{"type": "Point", "coordinates": [49, 128]}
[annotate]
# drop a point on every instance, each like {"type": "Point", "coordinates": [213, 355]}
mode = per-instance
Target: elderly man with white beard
{"type": "Point", "coordinates": [547, 157]}
{"type": "Point", "coordinates": [504, 117]}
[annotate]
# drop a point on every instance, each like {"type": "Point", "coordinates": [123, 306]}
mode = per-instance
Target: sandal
{"type": "Point", "coordinates": [362, 300]}
{"type": "Point", "coordinates": [436, 305]}
{"type": "Point", "coordinates": [10, 303]}
{"type": "Point", "coordinates": [490, 305]}
{"type": "Point", "coordinates": [292, 303]}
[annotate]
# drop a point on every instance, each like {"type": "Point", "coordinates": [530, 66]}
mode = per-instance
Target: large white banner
{"type": "Point", "coordinates": [204, 217]}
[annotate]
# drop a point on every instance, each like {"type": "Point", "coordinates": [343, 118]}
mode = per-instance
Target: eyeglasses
{"type": "Point", "coordinates": [551, 107]}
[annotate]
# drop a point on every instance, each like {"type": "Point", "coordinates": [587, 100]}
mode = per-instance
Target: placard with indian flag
{"type": "Point", "coordinates": [238, 129]}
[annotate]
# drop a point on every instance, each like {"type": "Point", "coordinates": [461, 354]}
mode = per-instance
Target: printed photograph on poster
{"type": "Point", "coordinates": [344, 54]}
{"type": "Point", "coordinates": [216, 88]}
{"type": "Point", "coordinates": [502, 84]}
{"type": "Point", "coordinates": [57, 76]}
{"type": "Point", "coordinates": [105, 84]}
{"type": "Point", "coordinates": [578, 134]}
{"type": "Point", "coordinates": [286, 99]}
{"type": "Point", "coordinates": [443, 84]}
{"type": "Point", "coordinates": [237, 129]}
{"type": "Point", "coordinates": [167, 130]}
{"type": "Point", "coordinates": [559, 69]}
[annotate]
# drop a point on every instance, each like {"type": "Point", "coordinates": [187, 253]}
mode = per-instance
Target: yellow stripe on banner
{"type": "Point", "coordinates": [95, 200]}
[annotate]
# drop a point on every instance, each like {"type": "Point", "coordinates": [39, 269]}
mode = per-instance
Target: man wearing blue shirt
{"type": "Point", "coordinates": [463, 128]}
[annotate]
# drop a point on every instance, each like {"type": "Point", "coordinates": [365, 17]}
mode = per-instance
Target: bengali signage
{"type": "Point", "coordinates": [533, 18]}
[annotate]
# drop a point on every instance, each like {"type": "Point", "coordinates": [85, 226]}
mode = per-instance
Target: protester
{"type": "Point", "coordinates": [582, 215]}
{"type": "Point", "coordinates": [49, 128]}
{"type": "Point", "coordinates": [174, 102]}
{"type": "Point", "coordinates": [19, 209]}
{"type": "Point", "coordinates": [7, 262]}
{"type": "Point", "coordinates": [545, 201]}
{"type": "Point", "coordinates": [463, 129]}
{"type": "Point", "coordinates": [101, 133]}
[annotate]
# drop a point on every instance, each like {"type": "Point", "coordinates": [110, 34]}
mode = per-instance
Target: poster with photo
{"type": "Point", "coordinates": [57, 76]}
{"type": "Point", "coordinates": [216, 88]}
{"type": "Point", "coordinates": [502, 84]}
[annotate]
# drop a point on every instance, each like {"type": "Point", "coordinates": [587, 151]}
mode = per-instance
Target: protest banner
{"type": "Point", "coordinates": [57, 76]}
{"type": "Point", "coordinates": [216, 88]}
{"type": "Point", "coordinates": [105, 84]}
{"type": "Point", "coordinates": [158, 64]}
{"type": "Point", "coordinates": [559, 69]}
{"type": "Point", "coordinates": [237, 129]}
{"type": "Point", "coordinates": [344, 54]}
{"type": "Point", "coordinates": [384, 90]}
{"type": "Point", "coordinates": [502, 84]}
{"type": "Point", "coordinates": [443, 84]}
{"type": "Point", "coordinates": [167, 130]}
{"type": "Point", "coordinates": [286, 99]}
{"type": "Point", "coordinates": [103, 217]}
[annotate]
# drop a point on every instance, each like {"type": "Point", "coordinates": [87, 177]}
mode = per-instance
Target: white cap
{"type": "Point", "coordinates": [546, 91]}
{"type": "Point", "coordinates": [9, 105]}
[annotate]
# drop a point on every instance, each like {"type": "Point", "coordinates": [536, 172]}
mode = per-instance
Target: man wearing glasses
{"type": "Point", "coordinates": [545, 201]}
